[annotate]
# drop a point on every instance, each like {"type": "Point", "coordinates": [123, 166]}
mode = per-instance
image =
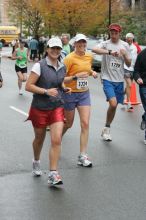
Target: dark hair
{"type": "Point", "coordinates": [22, 41]}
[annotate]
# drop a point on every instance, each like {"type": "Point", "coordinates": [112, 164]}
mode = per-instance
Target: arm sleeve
{"type": "Point", "coordinates": [1, 79]}
{"type": "Point", "coordinates": [36, 69]}
{"type": "Point", "coordinates": [136, 73]}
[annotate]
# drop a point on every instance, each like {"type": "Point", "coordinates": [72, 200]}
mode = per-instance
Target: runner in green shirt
{"type": "Point", "coordinates": [21, 57]}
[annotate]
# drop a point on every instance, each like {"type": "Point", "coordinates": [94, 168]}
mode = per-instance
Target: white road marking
{"type": "Point", "coordinates": [5, 53]}
{"type": "Point", "coordinates": [18, 110]}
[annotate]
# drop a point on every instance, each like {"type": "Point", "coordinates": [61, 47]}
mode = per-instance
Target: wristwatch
{"type": "Point", "coordinates": [109, 52]}
{"type": "Point", "coordinates": [46, 92]}
{"type": "Point", "coordinates": [74, 77]}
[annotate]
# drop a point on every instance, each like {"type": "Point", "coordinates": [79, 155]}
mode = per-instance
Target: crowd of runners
{"type": "Point", "coordinates": [59, 83]}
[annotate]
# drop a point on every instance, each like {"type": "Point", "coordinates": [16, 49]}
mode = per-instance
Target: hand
{"type": "Point", "coordinates": [82, 74]}
{"type": "Point", "coordinates": [53, 92]}
{"type": "Point", "coordinates": [19, 58]}
{"type": "Point", "coordinates": [140, 81]}
{"type": "Point", "coordinates": [67, 90]}
{"type": "Point", "coordinates": [95, 74]}
{"type": "Point", "coordinates": [115, 53]}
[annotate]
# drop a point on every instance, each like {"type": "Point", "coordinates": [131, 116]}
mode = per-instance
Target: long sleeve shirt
{"type": "Point", "coordinates": [140, 67]}
{"type": "Point", "coordinates": [1, 79]}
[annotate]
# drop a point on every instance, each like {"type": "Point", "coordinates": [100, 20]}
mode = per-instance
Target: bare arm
{"type": "Point", "coordinates": [127, 60]}
{"type": "Point", "coordinates": [32, 87]}
{"type": "Point", "coordinates": [100, 51]}
{"type": "Point", "coordinates": [14, 56]}
{"type": "Point", "coordinates": [68, 79]}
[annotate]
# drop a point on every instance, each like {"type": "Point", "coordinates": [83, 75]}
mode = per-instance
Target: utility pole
{"type": "Point", "coordinates": [110, 11]}
{"type": "Point", "coordinates": [21, 11]}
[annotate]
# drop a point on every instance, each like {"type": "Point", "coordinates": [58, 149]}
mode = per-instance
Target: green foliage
{"type": "Point", "coordinates": [91, 17]}
{"type": "Point", "coordinates": [26, 16]}
{"type": "Point", "coordinates": [133, 22]}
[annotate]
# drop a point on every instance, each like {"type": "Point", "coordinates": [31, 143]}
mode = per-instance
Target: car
{"type": "Point", "coordinates": [91, 43]}
{"type": "Point", "coordinates": [143, 47]}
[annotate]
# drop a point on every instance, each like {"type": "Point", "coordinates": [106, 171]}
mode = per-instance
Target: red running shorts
{"type": "Point", "coordinates": [43, 118]}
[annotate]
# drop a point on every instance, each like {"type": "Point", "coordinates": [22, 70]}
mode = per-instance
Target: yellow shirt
{"type": "Point", "coordinates": [76, 64]}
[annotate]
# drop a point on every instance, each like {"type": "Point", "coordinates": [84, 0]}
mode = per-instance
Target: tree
{"type": "Point", "coordinates": [133, 22]}
{"type": "Point", "coordinates": [25, 14]}
{"type": "Point", "coordinates": [73, 16]}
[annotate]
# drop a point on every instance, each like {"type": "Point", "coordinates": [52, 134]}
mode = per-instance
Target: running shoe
{"type": "Point", "coordinates": [36, 171]}
{"type": "Point", "coordinates": [143, 124]}
{"type": "Point", "coordinates": [84, 161]}
{"type": "Point", "coordinates": [48, 128]}
{"type": "Point", "coordinates": [144, 142]}
{"type": "Point", "coordinates": [129, 107]}
{"type": "Point", "coordinates": [106, 134]}
{"type": "Point", "coordinates": [54, 179]}
{"type": "Point", "coordinates": [20, 92]}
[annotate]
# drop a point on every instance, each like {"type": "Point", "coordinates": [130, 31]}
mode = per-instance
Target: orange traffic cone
{"type": "Point", "coordinates": [133, 96]}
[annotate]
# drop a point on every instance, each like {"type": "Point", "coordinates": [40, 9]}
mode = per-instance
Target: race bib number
{"type": "Point", "coordinates": [115, 65]}
{"type": "Point", "coordinates": [82, 83]}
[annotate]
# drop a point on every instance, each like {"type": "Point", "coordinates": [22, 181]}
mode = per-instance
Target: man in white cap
{"type": "Point", "coordinates": [128, 71]}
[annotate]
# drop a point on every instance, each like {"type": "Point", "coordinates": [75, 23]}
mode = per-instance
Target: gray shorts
{"type": "Point", "coordinates": [75, 99]}
{"type": "Point", "coordinates": [128, 74]}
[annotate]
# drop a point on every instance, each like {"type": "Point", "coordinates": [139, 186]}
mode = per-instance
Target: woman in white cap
{"type": "Point", "coordinates": [78, 65]}
{"type": "Point", "coordinates": [45, 82]}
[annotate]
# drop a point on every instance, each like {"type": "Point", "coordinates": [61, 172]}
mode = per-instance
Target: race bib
{"type": "Point", "coordinates": [115, 65]}
{"type": "Point", "coordinates": [82, 83]}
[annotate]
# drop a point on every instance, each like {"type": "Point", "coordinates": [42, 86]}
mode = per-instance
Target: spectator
{"type": "Point", "coordinates": [41, 47]}
{"type": "Point", "coordinates": [67, 48]}
{"type": "Point", "coordinates": [33, 47]}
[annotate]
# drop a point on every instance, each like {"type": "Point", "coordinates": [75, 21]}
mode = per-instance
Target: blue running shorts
{"type": "Point", "coordinates": [114, 89]}
{"type": "Point", "coordinates": [75, 99]}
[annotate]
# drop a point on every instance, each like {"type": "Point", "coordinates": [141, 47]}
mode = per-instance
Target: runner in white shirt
{"type": "Point", "coordinates": [129, 70]}
{"type": "Point", "coordinates": [115, 53]}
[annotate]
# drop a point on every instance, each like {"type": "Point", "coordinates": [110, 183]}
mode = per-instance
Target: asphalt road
{"type": "Point", "coordinates": [114, 189]}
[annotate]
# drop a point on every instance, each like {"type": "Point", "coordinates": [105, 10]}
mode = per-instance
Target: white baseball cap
{"type": "Point", "coordinates": [130, 35]}
{"type": "Point", "coordinates": [54, 42]}
{"type": "Point", "coordinates": [79, 37]}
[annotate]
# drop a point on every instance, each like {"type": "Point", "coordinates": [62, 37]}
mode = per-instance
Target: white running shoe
{"type": "Point", "coordinates": [84, 161]}
{"type": "Point", "coordinates": [106, 134]}
{"type": "Point", "coordinates": [20, 92]}
{"type": "Point", "coordinates": [54, 178]}
{"type": "Point", "coordinates": [36, 171]}
{"type": "Point", "coordinates": [129, 107]}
